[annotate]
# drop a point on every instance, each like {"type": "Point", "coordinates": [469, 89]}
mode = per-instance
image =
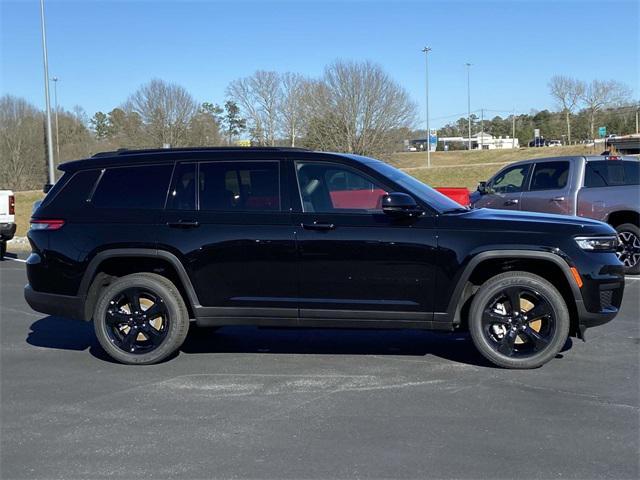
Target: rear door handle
{"type": "Point", "coordinates": [557, 199]}
{"type": "Point", "coordinates": [183, 224]}
{"type": "Point", "coordinates": [511, 202]}
{"type": "Point", "coordinates": [318, 226]}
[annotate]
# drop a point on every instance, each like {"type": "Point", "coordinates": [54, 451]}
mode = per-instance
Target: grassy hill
{"type": "Point", "coordinates": [449, 169]}
{"type": "Point", "coordinates": [465, 168]}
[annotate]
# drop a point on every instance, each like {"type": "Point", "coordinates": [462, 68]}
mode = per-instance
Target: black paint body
{"type": "Point", "coordinates": [277, 268]}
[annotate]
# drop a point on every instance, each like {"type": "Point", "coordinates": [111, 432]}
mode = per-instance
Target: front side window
{"type": "Point", "coordinates": [326, 187]}
{"type": "Point", "coordinates": [510, 180]}
{"type": "Point", "coordinates": [550, 176]}
{"type": "Point", "coordinates": [239, 186]}
{"type": "Point", "coordinates": [142, 187]}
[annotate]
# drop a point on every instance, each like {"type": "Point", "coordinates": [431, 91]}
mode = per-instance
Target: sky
{"type": "Point", "coordinates": [102, 51]}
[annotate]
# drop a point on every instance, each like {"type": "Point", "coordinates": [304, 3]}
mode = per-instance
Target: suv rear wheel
{"type": "Point", "coordinates": [629, 250]}
{"type": "Point", "coordinates": [518, 320]}
{"type": "Point", "coordinates": [141, 319]}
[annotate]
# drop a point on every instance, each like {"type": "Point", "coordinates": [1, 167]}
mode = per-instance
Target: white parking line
{"type": "Point", "coordinates": [626, 277]}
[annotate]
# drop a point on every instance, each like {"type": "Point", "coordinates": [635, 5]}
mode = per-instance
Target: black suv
{"type": "Point", "coordinates": [142, 241]}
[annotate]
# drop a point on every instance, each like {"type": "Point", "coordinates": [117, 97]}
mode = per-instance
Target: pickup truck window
{"type": "Point", "coordinates": [510, 180]}
{"type": "Point", "coordinates": [610, 173]}
{"type": "Point", "coordinates": [550, 176]}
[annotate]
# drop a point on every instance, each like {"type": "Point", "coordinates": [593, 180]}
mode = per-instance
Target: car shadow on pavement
{"type": "Point", "coordinates": [65, 334]}
{"type": "Point", "coordinates": [60, 333]}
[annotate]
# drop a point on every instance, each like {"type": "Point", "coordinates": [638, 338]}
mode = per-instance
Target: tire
{"type": "Point", "coordinates": [534, 340]}
{"type": "Point", "coordinates": [119, 329]}
{"type": "Point", "coordinates": [629, 252]}
{"type": "Point", "coordinates": [3, 249]}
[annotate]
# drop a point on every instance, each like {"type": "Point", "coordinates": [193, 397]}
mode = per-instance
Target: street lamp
{"type": "Point", "coordinates": [468, 65]}
{"type": "Point", "coordinates": [426, 51]}
{"type": "Point", "coordinates": [55, 101]}
{"type": "Point", "coordinates": [52, 177]}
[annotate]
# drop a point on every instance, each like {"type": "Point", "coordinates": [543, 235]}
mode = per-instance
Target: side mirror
{"type": "Point", "coordinates": [400, 204]}
{"type": "Point", "coordinates": [482, 188]}
{"type": "Point", "coordinates": [47, 187]}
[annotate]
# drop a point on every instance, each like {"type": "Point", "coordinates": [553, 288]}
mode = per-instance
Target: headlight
{"type": "Point", "coordinates": [598, 244]}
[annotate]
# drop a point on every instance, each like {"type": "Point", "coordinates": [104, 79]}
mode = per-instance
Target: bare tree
{"type": "Point", "coordinates": [165, 110]}
{"type": "Point", "coordinates": [294, 105]}
{"type": "Point", "coordinates": [601, 94]}
{"type": "Point", "coordinates": [567, 91]}
{"type": "Point", "coordinates": [259, 99]}
{"type": "Point", "coordinates": [357, 107]}
{"type": "Point", "coordinates": [21, 144]}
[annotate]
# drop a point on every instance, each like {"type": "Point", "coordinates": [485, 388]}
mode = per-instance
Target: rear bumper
{"type": "Point", "coordinates": [7, 231]}
{"type": "Point", "coordinates": [57, 305]}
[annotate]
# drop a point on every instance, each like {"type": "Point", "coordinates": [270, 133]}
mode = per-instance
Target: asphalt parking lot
{"type": "Point", "coordinates": [283, 403]}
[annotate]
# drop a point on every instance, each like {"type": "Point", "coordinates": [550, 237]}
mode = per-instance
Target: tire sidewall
{"type": "Point", "coordinates": [494, 286]}
{"type": "Point", "coordinates": [178, 318]}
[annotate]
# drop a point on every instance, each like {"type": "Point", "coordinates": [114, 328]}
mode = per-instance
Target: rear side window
{"type": "Point", "coordinates": [76, 191]}
{"type": "Point", "coordinates": [611, 173]}
{"type": "Point", "coordinates": [550, 176]}
{"type": "Point", "coordinates": [183, 192]}
{"type": "Point", "coordinates": [239, 186]}
{"type": "Point", "coordinates": [142, 187]}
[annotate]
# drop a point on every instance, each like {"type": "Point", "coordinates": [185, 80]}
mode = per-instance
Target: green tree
{"type": "Point", "coordinates": [233, 123]}
{"type": "Point", "coordinates": [100, 124]}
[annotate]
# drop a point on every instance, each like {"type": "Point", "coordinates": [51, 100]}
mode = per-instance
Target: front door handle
{"type": "Point", "coordinates": [511, 202]}
{"type": "Point", "coordinates": [318, 226]}
{"type": "Point", "coordinates": [183, 224]}
{"type": "Point", "coordinates": [557, 199]}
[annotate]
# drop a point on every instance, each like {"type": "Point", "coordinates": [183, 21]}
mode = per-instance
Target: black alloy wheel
{"type": "Point", "coordinates": [137, 320]}
{"type": "Point", "coordinates": [518, 320]}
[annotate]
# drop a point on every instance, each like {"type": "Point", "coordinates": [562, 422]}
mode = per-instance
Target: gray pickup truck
{"type": "Point", "coordinates": [606, 188]}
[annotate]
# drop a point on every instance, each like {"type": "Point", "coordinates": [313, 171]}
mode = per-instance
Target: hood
{"type": "Point", "coordinates": [507, 220]}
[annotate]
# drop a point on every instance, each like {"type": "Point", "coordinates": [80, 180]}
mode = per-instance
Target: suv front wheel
{"type": "Point", "coordinates": [141, 319]}
{"type": "Point", "coordinates": [518, 320]}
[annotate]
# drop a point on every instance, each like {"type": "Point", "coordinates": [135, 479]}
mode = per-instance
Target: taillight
{"type": "Point", "coordinates": [12, 205]}
{"type": "Point", "coordinates": [613, 157]}
{"type": "Point", "coordinates": [46, 224]}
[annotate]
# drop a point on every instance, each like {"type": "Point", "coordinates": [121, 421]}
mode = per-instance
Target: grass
{"type": "Point", "coordinates": [24, 203]}
{"type": "Point", "coordinates": [460, 168]}
{"type": "Point", "coordinates": [466, 168]}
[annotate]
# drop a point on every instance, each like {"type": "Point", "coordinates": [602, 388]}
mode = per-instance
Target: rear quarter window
{"type": "Point", "coordinates": [611, 173]}
{"type": "Point", "coordinates": [73, 192]}
{"type": "Point", "coordinates": [141, 187]}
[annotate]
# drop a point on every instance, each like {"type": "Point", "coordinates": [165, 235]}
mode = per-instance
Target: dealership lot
{"type": "Point", "coordinates": [283, 403]}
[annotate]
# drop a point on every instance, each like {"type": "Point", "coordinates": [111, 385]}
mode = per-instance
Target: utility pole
{"type": "Point", "coordinates": [469, 100]}
{"type": "Point", "coordinates": [52, 177]}
{"type": "Point", "coordinates": [55, 101]}
{"type": "Point", "coordinates": [426, 51]}
{"type": "Point", "coordinates": [513, 129]}
{"type": "Point", "coordinates": [481, 128]}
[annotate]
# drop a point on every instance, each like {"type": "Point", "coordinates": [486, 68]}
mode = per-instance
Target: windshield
{"type": "Point", "coordinates": [428, 195]}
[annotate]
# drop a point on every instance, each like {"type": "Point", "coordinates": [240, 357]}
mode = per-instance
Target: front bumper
{"type": "Point", "coordinates": [7, 231]}
{"type": "Point", "coordinates": [56, 305]}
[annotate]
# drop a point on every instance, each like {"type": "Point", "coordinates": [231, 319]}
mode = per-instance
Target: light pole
{"type": "Point", "coordinates": [426, 51]}
{"type": "Point", "coordinates": [468, 65]}
{"type": "Point", "coordinates": [52, 177]}
{"type": "Point", "coordinates": [55, 101]}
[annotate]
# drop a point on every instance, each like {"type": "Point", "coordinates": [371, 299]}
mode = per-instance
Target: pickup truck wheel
{"type": "Point", "coordinates": [629, 250]}
{"type": "Point", "coordinates": [141, 319]}
{"type": "Point", "coordinates": [518, 320]}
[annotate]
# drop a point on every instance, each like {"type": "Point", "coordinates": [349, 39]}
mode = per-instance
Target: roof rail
{"type": "Point", "coordinates": [126, 151]}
